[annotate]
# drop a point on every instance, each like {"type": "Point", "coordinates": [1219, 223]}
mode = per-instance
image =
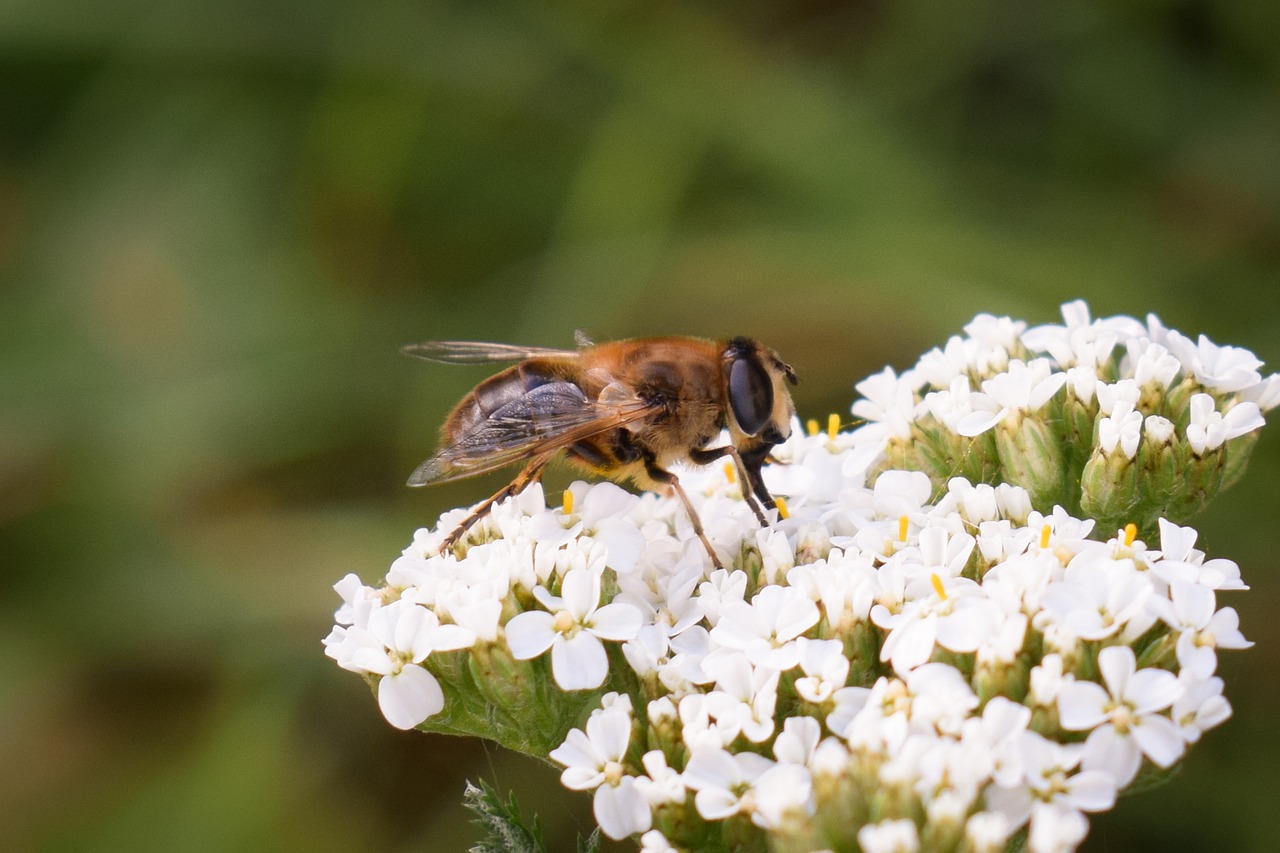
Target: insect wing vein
{"type": "Point", "coordinates": [546, 419]}
{"type": "Point", "coordinates": [476, 352]}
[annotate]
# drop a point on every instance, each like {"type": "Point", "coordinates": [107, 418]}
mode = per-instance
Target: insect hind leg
{"type": "Point", "coordinates": [527, 476]}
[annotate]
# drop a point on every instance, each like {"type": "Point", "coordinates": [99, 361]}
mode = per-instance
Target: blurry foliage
{"type": "Point", "coordinates": [218, 222]}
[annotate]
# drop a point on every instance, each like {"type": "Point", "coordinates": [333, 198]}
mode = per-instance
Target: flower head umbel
{"type": "Point", "coordinates": [977, 618]}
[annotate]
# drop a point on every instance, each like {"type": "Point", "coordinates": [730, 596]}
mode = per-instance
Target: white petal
{"type": "Point", "coordinates": [1092, 791]}
{"type": "Point", "coordinates": [712, 768]}
{"type": "Point", "coordinates": [716, 803]}
{"type": "Point", "coordinates": [796, 616]}
{"type": "Point", "coordinates": [1116, 663]}
{"type": "Point", "coordinates": [409, 697]}
{"type": "Point", "coordinates": [610, 733]}
{"type": "Point", "coordinates": [978, 422]}
{"type": "Point", "coordinates": [582, 777]}
{"type": "Point", "coordinates": [1112, 753]}
{"type": "Point", "coordinates": [1152, 690]}
{"type": "Point", "coordinates": [624, 541]}
{"type": "Point", "coordinates": [616, 621]}
{"type": "Point", "coordinates": [1081, 705]}
{"type": "Point", "coordinates": [529, 634]}
{"type": "Point", "coordinates": [577, 751]}
{"type": "Point", "coordinates": [581, 592]}
{"type": "Point", "coordinates": [1158, 738]}
{"type": "Point", "coordinates": [447, 638]}
{"type": "Point", "coordinates": [1056, 828]}
{"type": "Point", "coordinates": [579, 663]}
{"type": "Point", "coordinates": [621, 810]}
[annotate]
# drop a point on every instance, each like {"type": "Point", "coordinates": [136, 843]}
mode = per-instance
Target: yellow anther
{"type": "Point", "coordinates": [903, 526]}
{"type": "Point", "coordinates": [568, 502]}
{"type": "Point", "coordinates": [781, 504]}
{"type": "Point", "coordinates": [1130, 533]}
{"type": "Point", "coordinates": [937, 586]}
{"type": "Point", "coordinates": [729, 473]}
{"type": "Point", "coordinates": [1045, 533]}
{"type": "Point", "coordinates": [811, 426]}
{"type": "Point", "coordinates": [833, 425]}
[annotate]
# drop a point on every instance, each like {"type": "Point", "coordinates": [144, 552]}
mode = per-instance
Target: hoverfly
{"type": "Point", "coordinates": [625, 410]}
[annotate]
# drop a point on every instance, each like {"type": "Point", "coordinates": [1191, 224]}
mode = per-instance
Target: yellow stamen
{"type": "Point", "coordinates": [903, 525]}
{"type": "Point", "coordinates": [1130, 533]}
{"type": "Point", "coordinates": [833, 425]}
{"type": "Point", "coordinates": [781, 504]}
{"type": "Point", "coordinates": [937, 586]}
{"type": "Point", "coordinates": [568, 502]}
{"type": "Point", "coordinates": [811, 426]}
{"type": "Point", "coordinates": [1045, 533]}
{"type": "Point", "coordinates": [729, 473]}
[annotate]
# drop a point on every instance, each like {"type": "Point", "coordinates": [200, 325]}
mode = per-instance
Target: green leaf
{"type": "Point", "coordinates": [504, 827]}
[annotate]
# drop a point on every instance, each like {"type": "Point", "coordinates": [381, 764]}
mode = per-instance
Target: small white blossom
{"type": "Point", "coordinates": [1124, 718]}
{"type": "Point", "coordinates": [889, 836]}
{"type": "Point", "coordinates": [572, 630]}
{"type": "Point", "coordinates": [593, 761]}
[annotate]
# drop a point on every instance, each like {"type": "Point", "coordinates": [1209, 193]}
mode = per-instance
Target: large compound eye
{"type": "Point", "coordinates": [750, 395]}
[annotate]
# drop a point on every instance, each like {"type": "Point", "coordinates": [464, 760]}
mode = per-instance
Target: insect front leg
{"type": "Point", "coordinates": [528, 475]}
{"type": "Point", "coordinates": [706, 457]}
{"type": "Point", "coordinates": [660, 475]}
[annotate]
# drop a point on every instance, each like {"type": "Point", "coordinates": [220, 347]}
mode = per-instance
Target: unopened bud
{"type": "Point", "coordinates": [1031, 458]}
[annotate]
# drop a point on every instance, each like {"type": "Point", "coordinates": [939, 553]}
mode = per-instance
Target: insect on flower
{"type": "Point", "coordinates": [625, 410]}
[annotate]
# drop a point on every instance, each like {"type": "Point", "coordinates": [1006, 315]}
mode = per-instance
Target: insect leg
{"type": "Point", "coordinates": [706, 457]}
{"type": "Point", "coordinates": [529, 474]}
{"type": "Point", "coordinates": [751, 463]}
{"type": "Point", "coordinates": [660, 475]}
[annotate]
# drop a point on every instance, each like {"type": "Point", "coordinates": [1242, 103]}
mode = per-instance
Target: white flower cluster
{"type": "Point", "coordinates": [891, 666]}
{"type": "Point", "coordinates": [1103, 417]}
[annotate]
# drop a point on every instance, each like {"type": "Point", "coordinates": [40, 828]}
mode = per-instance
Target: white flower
{"type": "Point", "coordinates": [654, 841]}
{"type": "Point", "coordinates": [1200, 707]}
{"type": "Point", "coordinates": [1180, 560]}
{"type": "Point", "coordinates": [987, 832]}
{"type": "Point", "coordinates": [1026, 387]}
{"type": "Point", "coordinates": [1056, 829]}
{"type": "Point", "coordinates": [573, 630]}
{"type": "Point", "coordinates": [766, 629]}
{"type": "Point", "coordinates": [1151, 365]}
{"type": "Point", "coordinates": [391, 643]}
{"type": "Point", "coordinates": [1049, 777]}
{"type": "Point", "coordinates": [1122, 428]}
{"type": "Point", "coordinates": [1097, 598]}
{"type": "Point", "coordinates": [782, 790]}
{"type": "Point", "coordinates": [1210, 429]}
{"type": "Point", "coordinates": [724, 781]}
{"type": "Point", "coordinates": [888, 401]}
{"type": "Point", "coordinates": [889, 836]}
{"type": "Point", "coordinates": [1223, 369]}
{"type": "Point", "coordinates": [745, 696]}
{"type": "Point", "coordinates": [825, 669]}
{"type": "Point", "coordinates": [953, 615]}
{"type": "Point", "coordinates": [1124, 717]}
{"type": "Point", "coordinates": [1047, 680]}
{"type": "Point", "coordinates": [797, 741]}
{"type": "Point", "coordinates": [593, 760]}
{"type": "Point", "coordinates": [662, 785]}
{"type": "Point", "coordinates": [1190, 611]}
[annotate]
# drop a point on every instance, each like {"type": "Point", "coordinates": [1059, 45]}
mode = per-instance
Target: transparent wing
{"type": "Point", "coordinates": [548, 418]}
{"type": "Point", "coordinates": [477, 352]}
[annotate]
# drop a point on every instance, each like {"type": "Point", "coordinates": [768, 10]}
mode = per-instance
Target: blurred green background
{"type": "Point", "coordinates": [220, 220]}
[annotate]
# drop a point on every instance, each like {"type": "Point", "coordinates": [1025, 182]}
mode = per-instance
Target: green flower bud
{"type": "Point", "coordinates": [1109, 487]}
{"type": "Point", "coordinates": [1031, 457]}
